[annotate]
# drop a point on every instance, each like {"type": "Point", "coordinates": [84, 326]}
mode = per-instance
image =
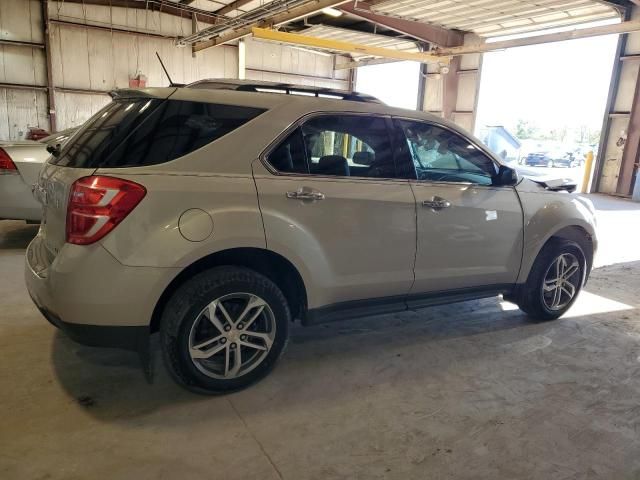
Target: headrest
{"type": "Point", "coordinates": [364, 158]}
{"type": "Point", "coordinates": [333, 165]}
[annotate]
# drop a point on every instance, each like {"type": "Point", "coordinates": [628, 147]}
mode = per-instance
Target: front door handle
{"type": "Point", "coordinates": [305, 193]}
{"type": "Point", "coordinates": [436, 203]}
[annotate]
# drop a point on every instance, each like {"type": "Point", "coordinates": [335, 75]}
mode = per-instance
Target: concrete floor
{"type": "Point", "coordinates": [472, 390]}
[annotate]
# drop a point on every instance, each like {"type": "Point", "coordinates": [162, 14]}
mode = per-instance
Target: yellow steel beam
{"type": "Point", "coordinates": [347, 47]}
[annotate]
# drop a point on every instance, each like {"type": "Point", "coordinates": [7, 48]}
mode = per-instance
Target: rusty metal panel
{"type": "Point", "coordinates": [467, 91]}
{"type": "Point", "coordinates": [433, 93]}
{"type": "Point", "coordinates": [20, 109]}
{"type": "Point", "coordinates": [612, 158]}
{"type": "Point", "coordinates": [73, 109]}
{"type": "Point", "coordinates": [21, 20]}
{"type": "Point", "coordinates": [626, 88]}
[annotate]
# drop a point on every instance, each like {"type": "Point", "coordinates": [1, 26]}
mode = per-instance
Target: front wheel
{"type": "Point", "coordinates": [224, 329]}
{"type": "Point", "coordinates": [555, 280]}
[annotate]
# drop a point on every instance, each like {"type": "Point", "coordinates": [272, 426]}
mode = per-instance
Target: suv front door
{"type": "Point", "coordinates": [332, 203]}
{"type": "Point", "coordinates": [469, 230]}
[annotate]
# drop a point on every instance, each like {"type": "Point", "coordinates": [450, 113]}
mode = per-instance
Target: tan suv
{"type": "Point", "coordinates": [219, 213]}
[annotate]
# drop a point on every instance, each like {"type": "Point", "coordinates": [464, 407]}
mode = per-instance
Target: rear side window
{"type": "Point", "coordinates": [138, 132]}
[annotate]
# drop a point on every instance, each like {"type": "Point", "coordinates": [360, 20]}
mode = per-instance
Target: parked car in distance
{"type": "Point", "coordinates": [218, 213]}
{"type": "Point", "coordinates": [20, 164]}
{"type": "Point", "coordinates": [554, 158]}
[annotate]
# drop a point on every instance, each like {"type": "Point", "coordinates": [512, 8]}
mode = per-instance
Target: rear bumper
{"type": "Point", "coordinates": [90, 295]}
{"type": "Point", "coordinates": [129, 338]}
{"type": "Point", "coordinates": [16, 200]}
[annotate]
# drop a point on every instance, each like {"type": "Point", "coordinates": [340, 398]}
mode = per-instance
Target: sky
{"type": "Point", "coordinates": [396, 83]}
{"type": "Point", "coordinates": [550, 85]}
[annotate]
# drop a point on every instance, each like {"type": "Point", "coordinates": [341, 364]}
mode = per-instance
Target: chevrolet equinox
{"type": "Point", "coordinates": [218, 213]}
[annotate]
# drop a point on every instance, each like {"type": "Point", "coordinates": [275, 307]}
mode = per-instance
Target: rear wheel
{"type": "Point", "coordinates": [554, 282]}
{"type": "Point", "coordinates": [224, 329]}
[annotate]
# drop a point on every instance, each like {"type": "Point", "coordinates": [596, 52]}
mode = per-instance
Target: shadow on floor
{"type": "Point", "coordinates": [16, 235]}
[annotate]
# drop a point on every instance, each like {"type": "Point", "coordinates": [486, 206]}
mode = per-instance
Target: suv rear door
{"type": "Point", "coordinates": [469, 230]}
{"type": "Point", "coordinates": [333, 202]}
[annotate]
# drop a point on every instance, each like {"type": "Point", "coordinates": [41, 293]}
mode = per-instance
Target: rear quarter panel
{"type": "Point", "coordinates": [545, 214]}
{"type": "Point", "coordinates": [153, 234]}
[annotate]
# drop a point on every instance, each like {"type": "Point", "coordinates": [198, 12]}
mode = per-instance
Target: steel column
{"type": "Point", "coordinates": [51, 100]}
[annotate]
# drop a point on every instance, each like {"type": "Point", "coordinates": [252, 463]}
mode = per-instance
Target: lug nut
{"type": "Point", "coordinates": [233, 345]}
{"type": "Point", "coordinates": [243, 337]}
{"type": "Point", "coordinates": [223, 341]}
{"type": "Point", "coordinates": [227, 328]}
{"type": "Point", "coordinates": [240, 326]}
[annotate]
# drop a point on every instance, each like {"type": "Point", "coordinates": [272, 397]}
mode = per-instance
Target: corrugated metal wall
{"type": "Point", "coordinates": [88, 61]}
{"type": "Point", "coordinates": [616, 128]}
{"type": "Point", "coordinates": [467, 91]}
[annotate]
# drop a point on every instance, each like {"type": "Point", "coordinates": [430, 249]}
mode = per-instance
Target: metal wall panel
{"type": "Point", "coordinates": [613, 155]}
{"type": "Point", "coordinates": [20, 109]}
{"type": "Point", "coordinates": [467, 91]}
{"type": "Point", "coordinates": [433, 93]}
{"type": "Point", "coordinates": [273, 62]}
{"type": "Point", "coordinates": [73, 109]}
{"type": "Point", "coordinates": [626, 88]}
{"type": "Point", "coordinates": [20, 20]}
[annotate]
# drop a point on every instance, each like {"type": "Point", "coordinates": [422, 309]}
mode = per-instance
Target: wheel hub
{"type": "Point", "coordinates": [232, 335]}
{"type": "Point", "coordinates": [561, 282]}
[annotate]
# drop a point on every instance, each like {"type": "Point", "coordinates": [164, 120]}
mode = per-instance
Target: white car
{"type": "Point", "coordinates": [20, 164]}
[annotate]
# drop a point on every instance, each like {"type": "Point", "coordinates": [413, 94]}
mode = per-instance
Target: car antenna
{"type": "Point", "coordinates": [171, 83]}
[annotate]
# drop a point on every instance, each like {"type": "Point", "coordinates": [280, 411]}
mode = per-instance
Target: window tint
{"type": "Point", "coordinates": [147, 132]}
{"type": "Point", "coordinates": [289, 156]}
{"type": "Point", "coordinates": [441, 155]}
{"type": "Point", "coordinates": [340, 145]}
{"type": "Point", "coordinates": [349, 145]}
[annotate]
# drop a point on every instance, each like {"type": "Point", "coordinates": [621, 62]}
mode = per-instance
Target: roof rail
{"type": "Point", "coordinates": [281, 88]}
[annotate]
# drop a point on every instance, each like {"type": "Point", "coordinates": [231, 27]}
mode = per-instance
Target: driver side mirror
{"type": "Point", "coordinates": [506, 177]}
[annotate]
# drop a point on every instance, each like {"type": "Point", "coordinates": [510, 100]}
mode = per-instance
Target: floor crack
{"type": "Point", "coordinates": [262, 449]}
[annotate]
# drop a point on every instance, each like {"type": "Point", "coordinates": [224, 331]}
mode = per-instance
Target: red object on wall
{"type": "Point", "coordinates": [36, 133]}
{"type": "Point", "coordinates": [139, 81]}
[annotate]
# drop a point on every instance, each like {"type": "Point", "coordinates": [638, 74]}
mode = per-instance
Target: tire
{"type": "Point", "coordinates": [188, 336]}
{"type": "Point", "coordinates": [532, 297]}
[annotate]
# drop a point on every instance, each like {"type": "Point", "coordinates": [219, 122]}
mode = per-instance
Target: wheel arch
{"type": "Point", "coordinates": [266, 262]}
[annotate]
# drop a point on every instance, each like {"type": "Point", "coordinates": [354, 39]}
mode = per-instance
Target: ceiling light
{"type": "Point", "coordinates": [332, 12]}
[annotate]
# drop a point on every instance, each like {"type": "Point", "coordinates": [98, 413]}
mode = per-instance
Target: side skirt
{"type": "Point", "coordinates": [378, 306]}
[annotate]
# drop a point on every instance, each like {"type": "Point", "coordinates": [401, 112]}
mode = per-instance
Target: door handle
{"type": "Point", "coordinates": [305, 193]}
{"type": "Point", "coordinates": [436, 203]}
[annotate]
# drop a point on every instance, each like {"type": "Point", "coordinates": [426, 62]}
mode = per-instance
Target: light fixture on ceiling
{"type": "Point", "coordinates": [332, 12]}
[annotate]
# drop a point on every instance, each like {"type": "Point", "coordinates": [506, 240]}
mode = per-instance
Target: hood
{"type": "Point", "coordinates": [548, 181]}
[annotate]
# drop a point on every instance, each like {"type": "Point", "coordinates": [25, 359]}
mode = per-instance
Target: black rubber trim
{"type": "Point", "coordinates": [399, 303]}
{"type": "Point", "coordinates": [128, 338]}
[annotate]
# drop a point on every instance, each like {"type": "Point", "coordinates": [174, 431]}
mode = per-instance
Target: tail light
{"type": "Point", "coordinates": [97, 204]}
{"type": "Point", "coordinates": [6, 164]}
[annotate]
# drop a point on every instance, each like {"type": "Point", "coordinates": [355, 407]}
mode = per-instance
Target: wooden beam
{"type": "Point", "coordinates": [623, 27]}
{"type": "Point", "coordinates": [232, 6]}
{"type": "Point", "coordinates": [289, 16]}
{"type": "Point", "coordinates": [346, 47]}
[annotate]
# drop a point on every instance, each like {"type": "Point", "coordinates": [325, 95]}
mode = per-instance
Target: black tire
{"type": "Point", "coordinates": [184, 308]}
{"type": "Point", "coordinates": [530, 296]}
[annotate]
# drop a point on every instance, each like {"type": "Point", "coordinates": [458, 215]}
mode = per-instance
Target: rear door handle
{"type": "Point", "coordinates": [436, 203]}
{"type": "Point", "coordinates": [305, 193]}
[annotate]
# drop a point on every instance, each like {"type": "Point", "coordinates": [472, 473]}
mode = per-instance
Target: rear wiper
{"type": "Point", "coordinates": [54, 150]}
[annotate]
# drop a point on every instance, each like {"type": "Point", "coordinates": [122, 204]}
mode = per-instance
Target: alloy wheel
{"type": "Point", "coordinates": [561, 282]}
{"type": "Point", "coordinates": [232, 335]}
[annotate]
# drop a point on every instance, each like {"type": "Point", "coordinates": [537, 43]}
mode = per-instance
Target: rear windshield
{"type": "Point", "coordinates": [138, 132]}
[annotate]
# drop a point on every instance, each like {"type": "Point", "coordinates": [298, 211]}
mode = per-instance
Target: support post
{"type": "Point", "coordinates": [51, 100]}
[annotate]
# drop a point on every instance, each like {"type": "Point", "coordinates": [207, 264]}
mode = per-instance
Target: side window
{"type": "Point", "coordinates": [441, 155]}
{"type": "Point", "coordinates": [289, 156]}
{"type": "Point", "coordinates": [349, 145]}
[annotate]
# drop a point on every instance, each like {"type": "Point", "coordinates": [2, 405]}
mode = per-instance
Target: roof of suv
{"type": "Point", "coordinates": [281, 88]}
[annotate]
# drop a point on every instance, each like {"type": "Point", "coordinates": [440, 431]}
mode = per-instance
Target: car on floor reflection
{"type": "Point", "coordinates": [217, 213]}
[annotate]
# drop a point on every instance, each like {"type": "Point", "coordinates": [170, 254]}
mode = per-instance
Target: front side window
{"type": "Point", "coordinates": [440, 155]}
{"type": "Point", "coordinates": [337, 145]}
